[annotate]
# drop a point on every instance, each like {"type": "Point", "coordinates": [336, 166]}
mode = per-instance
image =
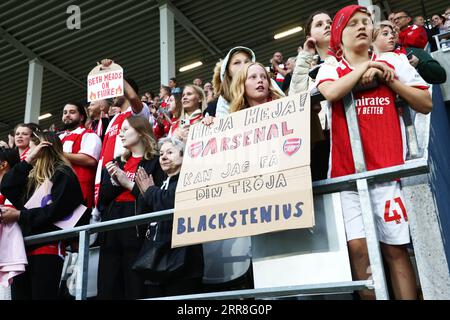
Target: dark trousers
{"type": "Point", "coordinates": [118, 252]}
{"type": "Point", "coordinates": [175, 288]}
{"type": "Point", "coordinates": [41, 279]}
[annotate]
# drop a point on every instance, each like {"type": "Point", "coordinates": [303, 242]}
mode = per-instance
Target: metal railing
{"type": "Point", "coordinates": [360, 180]}
{"type": "Point", "coordinates": [319, 187]}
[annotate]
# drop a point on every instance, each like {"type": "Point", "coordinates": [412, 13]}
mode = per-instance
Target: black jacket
{"type": "Point", "coordinates": [156, 199]}
{"type": "Point", "coordinates": [66, 197]}
{"type": "Point", "coordinates": [109, 192]}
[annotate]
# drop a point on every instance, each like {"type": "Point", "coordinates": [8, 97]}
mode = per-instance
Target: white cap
{"type": "Point", "coordinates": [223, 67]}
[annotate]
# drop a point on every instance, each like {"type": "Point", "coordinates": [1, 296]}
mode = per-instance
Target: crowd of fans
{"type": "Point", "coordinates": [121, 157]}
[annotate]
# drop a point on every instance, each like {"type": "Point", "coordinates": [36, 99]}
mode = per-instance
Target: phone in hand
{"type": "Point", "coordinates": [409, 55]}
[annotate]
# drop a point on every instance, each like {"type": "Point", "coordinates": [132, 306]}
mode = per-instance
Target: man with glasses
{"type": "Point", "coordinates": [410, 35]}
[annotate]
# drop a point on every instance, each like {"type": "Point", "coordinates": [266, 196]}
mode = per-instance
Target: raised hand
{"type": "Point", "coordinates": [34, 151]}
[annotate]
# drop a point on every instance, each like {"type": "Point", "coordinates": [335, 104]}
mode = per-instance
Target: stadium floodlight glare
{"type": "Point", "coordinates": [287, 33]}
{"type": "Point", "coordinates": [45, 116]}
{"type": "Point", "coordinates": [191, 66]}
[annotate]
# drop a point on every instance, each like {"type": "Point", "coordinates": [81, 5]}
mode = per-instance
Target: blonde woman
{"type": "Point", "coordinates": [223, 75]}
{"type": "Point", "coordinates": [193, 102]}
{"type": "Point", "coordinates": [251, 86]}
{"type": "Point", "coordinates": [118, 194]}
{"type": "Point", "coordinates": [44, 162]}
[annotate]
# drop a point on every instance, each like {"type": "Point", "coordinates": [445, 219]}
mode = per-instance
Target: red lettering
{"type": "Point", "coordinates": [260, 135]}
{"type": "Point", "coordinates": [211, 147]}
{"type": "Point", "coordinates": [285, 130]}
{"type": "Point", "coordinates": [395, 217]}
{"type": "Point", "coordinates": [399, 201]}
{"type": "Point", "coordinates": [236, 142]}
{"type": "Point", "coordinates": [224, 145]}
{"type": "Point", "coordinates": [273, 132]}
{"type": "Point", "coordinates": [246, 138]}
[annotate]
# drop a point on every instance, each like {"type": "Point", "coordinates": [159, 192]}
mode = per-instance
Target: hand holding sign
{"type": "Point", "coordinates": [106, 63]}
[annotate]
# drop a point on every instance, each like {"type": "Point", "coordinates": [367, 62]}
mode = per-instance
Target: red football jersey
{"type": "Point", "coordinates": [379, 124]}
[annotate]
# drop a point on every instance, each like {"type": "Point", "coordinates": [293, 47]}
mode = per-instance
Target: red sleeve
{"type": "Point", "coordinates": [418, 39]}
{"type": "Point", "coordinates": [161, 131]}
{"type": "Point", "coordinates": [157, 131]}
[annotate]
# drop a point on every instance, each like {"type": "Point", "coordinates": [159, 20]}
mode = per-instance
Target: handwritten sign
{"type": "Point", "coordinates": [42, 197]}
{"type": "Point", "coordinates": [246, 174]}
{"type": "Point", "coordinates": [105, 83]}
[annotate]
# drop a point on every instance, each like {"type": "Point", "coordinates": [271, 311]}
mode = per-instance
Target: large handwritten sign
{"type": "Point", "coordinates": [105, 83]}
{"type": "Point", "coordinates": [246, 174]}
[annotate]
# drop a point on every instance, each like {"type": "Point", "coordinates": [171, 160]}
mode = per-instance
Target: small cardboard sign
{"type": "Point", "coordinates": [105, 83]}
{"type": "Point", "coordinates": [246, 174]}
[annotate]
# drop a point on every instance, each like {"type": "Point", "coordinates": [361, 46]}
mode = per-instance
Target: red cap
{"type": "Point", "coordinates": [337, 27]}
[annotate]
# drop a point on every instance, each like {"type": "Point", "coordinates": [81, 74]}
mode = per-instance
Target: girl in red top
{"type": "Point", "coordinates": [118, 193]}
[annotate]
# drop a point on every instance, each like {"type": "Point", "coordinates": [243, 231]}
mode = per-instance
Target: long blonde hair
{"type": "Point", "coordinates": [49, 160]}
{"type": "Point", "coordinates": [222, 88]}
{"type": "Point", "coordinates": [201, 96]}
{"type": "Point", "coordinates": [144, 129]}
{"type": "Point", "coordinates": [238, 99]}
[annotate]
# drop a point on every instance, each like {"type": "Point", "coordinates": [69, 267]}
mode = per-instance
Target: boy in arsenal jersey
{"type": "Point", "coordinates": [381, 137]}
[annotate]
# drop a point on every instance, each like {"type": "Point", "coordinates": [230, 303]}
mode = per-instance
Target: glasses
{"type": "Point", "coordinates": [398, 18]}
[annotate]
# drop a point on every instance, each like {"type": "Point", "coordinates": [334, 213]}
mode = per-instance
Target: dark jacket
{"type": "Point", "coordinates": [66, 197]}
{"type": "Point", "coordinates": [156, 199]}
{"type": "Point", "coordinates": [211, 108]}
{"type": "Point", "coordinates": [109, 192]}
{"type": "Point", "coordinates": [428, 68]}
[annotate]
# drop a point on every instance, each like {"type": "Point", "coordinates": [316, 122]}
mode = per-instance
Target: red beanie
{"type": "Point", "coordinates": [337, 27]}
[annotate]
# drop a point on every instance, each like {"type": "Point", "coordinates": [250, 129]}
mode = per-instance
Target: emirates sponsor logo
{"type": "Point", "coordinates": [372, 101]}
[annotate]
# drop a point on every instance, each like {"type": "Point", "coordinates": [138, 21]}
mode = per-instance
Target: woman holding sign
{"type": "Point", "coordinates": [47, 174]}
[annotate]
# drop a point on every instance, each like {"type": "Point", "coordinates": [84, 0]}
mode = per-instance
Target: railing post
{"type": "Point", "coordinates": [353, 131]}
{"type": "Point", "coordinates": [373, 246]}
{"type": "Point", "coordinates": [82, 266]}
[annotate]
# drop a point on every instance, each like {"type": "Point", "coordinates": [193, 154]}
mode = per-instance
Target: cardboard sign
{"type": "Point", "coordinates": [42, 197]}
{"type": "Point", "coordinates": [105, 83]}
{"type": "Point", "coordinates": [246, 174]}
